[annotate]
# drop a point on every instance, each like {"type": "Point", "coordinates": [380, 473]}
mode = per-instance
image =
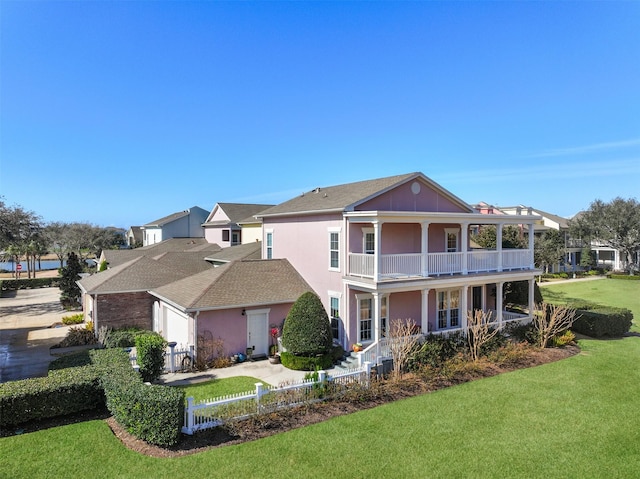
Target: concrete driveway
{"type": "Point", "coordinates": [25, 333]}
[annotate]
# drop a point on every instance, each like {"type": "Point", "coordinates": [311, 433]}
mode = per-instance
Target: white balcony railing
{"type": "Point", "coordinates": [394, 266]}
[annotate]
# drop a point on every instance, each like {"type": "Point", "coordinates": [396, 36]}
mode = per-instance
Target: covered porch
{"type": "Point", "coordinates": [389, 246]}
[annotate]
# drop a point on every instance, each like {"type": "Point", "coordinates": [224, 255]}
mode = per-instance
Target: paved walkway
{"type": "Point", "coordinates": [25, 333]}
{"type": "Point", "coordinates": [572, 280]}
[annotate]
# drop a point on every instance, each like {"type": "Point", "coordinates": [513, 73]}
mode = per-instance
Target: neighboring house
{"type": "Point", "coordinates": [395, 248]}
{"type": "Point", "coordinates": [183, 224]}
{"type": "Point", "coordinates": [118, 297]}
{"type": "Point", "coordinates": [244, 251]}
{"type": "Point", "coordinates": [573, 247]}
{"type": "Point", "coordinates": [135, 237]}
{"type": "Point", "coordinates": [237, 303]}
{"type": "Point", "coordinates": [231, 224]}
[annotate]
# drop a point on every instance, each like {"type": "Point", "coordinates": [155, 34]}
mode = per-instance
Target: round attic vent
{"type": "Point", "coordinates": [415, 188]}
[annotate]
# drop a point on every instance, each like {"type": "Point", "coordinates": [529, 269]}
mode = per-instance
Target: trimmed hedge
{"type": "Point", "coordinates": [601, 321]}
{"type": "Point", "coordinates": [623, 276]}
{"type": "Point", "coordinates": [306, 363]}
{"type": "Point", "coordinates": [307, 329]}
{"type": "Point", "coordinates": [63, 391]}
{"type": "Point", "coordinates": [152, 413]}
{"type": "Point", "coordinates": [31, 283]}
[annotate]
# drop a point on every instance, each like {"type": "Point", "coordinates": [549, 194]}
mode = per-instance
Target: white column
{"type": "Point", "coordinates": [378, 242]}
{"type": "Point", "coordinates": [463, 306]}
{"type": "Point", "coordinates": [532, 297]}
{"type": "Point", "coordinates": [499, 244]}
{"type": "Point", "coordinates": [499, 305]}
{"type": "Point", "coordinates": [424, 248]}
{"type": "Point", "coordinates": [464, 240]}
{"type": "Point", "coordinates": [531, 243]}
{"type": "Point", "coordinates": [377, 330]}
{"type": "Point", "coordinates": [424, 317]}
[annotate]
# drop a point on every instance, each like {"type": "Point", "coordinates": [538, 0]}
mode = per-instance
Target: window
{"type": "Point", "coordinates": [451, 240]}
{"type": "Point", "coordinates": [269, 245]}
{"type": "Point", "coordinates": [334, 250]}
{"type": "Point", "coordinates": [335, 317]}
{"type": "Point", "coordinates": [225, 235]}
{"type": "Point", "coordinates": [448, 309]}
{"type": "Point", "coordinates": [369, 241]}
{"type": "Point", "coordinates": [235, 237]}
{"type": "Point", "coordinates": [366, 319]}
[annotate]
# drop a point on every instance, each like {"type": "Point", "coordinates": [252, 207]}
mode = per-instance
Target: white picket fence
{"type": "Point", "coordinates": [176, 358]}
{"type": "Point", "coordinates": [208, 414]}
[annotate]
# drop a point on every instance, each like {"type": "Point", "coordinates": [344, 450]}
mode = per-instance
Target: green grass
{"type": "Point", "coordinates": [574, 418]}
{"type": "Point", "coordinates": [221, 387]}
{"type": "Point", "coordinates": [609, 292]}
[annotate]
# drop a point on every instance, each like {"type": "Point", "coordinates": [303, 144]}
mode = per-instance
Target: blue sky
{"type": "Point", "coordinates": [119, 113]}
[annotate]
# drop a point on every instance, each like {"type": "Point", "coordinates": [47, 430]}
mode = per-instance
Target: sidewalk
{"type": "Point", "coordinates": [26, 334]}
{"type": "Point", "coordinates": [572, 280]}
{"type": "Point", "coordinates": [263, 370]}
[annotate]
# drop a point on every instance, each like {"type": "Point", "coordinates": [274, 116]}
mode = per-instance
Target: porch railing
{"type": "Point", "coordinates": [393, 266]}
{"type": "Point", "coordinates": [382, 349]}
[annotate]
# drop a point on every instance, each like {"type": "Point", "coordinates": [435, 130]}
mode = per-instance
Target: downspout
{"type": "Point", "coordinates": [195, 333]}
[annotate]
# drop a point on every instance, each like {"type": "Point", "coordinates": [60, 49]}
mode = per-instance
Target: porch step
{"type": "Point", "coordinates": [348, 362]}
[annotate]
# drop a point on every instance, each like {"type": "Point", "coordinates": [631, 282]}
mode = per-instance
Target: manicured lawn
{"type": "Point", "coordinates": [573, 418]}
{"type": "Point", "coordinates": [221, 387]}
{"type": "Point", "coordinates": [610, 292]}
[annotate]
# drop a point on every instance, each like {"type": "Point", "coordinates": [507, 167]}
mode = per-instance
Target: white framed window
{"type": "Point", "coordinates": [334, 315]}
{"type": "Point", "coordinates": [269, 244]}
{"type": "Point", "coordinates": [448, 309]}
{"type": "Point", "coordinates": [334, 249]}
{"type": "Point", "coordinates": [383, 315]}
{"type": "Point", "coordinates": [365, 318]}
{"type": "Point", "coordinates": [235, 237]}
{"type": "Point", "coordinates": [368, 241]}
{"type": "Point", "coordinates": [451, 240]}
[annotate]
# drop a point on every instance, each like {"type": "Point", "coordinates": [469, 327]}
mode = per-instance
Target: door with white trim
{"type": "Point", "coordinates": [257, 331]}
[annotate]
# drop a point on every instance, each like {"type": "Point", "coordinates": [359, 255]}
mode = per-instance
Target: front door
{"type": "Point", "coordinates": [257, 332]}
{"type": "Point", "coordinates": [477, 298]}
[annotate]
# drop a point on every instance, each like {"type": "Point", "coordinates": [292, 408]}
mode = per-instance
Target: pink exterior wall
{"type": "Point", "coordinates": [406, 306]}
{"type": "Point", "coordinates": [231, 326]}
{"type": "Point", "coordinates": [402, 199]}
{"type": "Point", "coordinates": [214, 234]}
{"type": "Point", "coordinates": [304, 241]}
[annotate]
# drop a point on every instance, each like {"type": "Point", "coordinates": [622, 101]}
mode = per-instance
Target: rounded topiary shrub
{"type": "Point", "coordinates": [307, 330]}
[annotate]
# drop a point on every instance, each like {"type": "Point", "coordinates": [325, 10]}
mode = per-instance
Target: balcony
{"type": "Point", "coordinates": [418, 265]}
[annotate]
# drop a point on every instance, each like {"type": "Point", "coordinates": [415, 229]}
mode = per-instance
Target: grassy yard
{"type": "Point", "coordinates": [573, 418]}
{"type": "Point", "coordinates": [221, 387]}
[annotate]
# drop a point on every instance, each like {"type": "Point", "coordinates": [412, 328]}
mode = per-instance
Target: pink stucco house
{"type": "Point", "coordinates": [395, 247]}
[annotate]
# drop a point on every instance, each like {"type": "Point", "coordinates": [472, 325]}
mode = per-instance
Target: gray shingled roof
{"type": "Point", "coordinates": [348, 196]}
{"type": "Point", "coordinates": [239, 252]}
{"type": "Point", "coordinates": [186, 245]}
{"type": "Point", "coordinates": [238, 211]}
{"type": "Point", "coordinates": [237, 284]}
{"type": "Point", "coordinates": [172, 217]}
{"type": "Point", "coordinates": [139, 274]}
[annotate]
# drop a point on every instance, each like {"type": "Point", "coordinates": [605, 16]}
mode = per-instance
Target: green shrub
{"type": "Point", "coordinates": [306, 363]}
{"type": "Point", "coordinates": [522, 332]}
{"type": "Point", "coordinates": [562, 340]}
{"type": "Point", "coordinates": [73, 319]}
{"type": "Point", "coordinates": [307, 330]}
{"type": "Point", "coordinates": [603, 321]}
{"type": "Point", "coordinates": [623, 277]}
{"type": "Point", "coordinates": [123, 338]}
{"type": "Point", "coordinates": [63, 391]}
{"type": "Point", "coordinates": [78, 336]}
{"type": "Point", "coordinates": [150, 349]}
{"type": "Point", "coordinates": [436, 349]}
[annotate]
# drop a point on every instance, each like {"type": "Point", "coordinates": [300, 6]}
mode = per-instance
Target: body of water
{"type": "Point", "coordinates": [44, 265]}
